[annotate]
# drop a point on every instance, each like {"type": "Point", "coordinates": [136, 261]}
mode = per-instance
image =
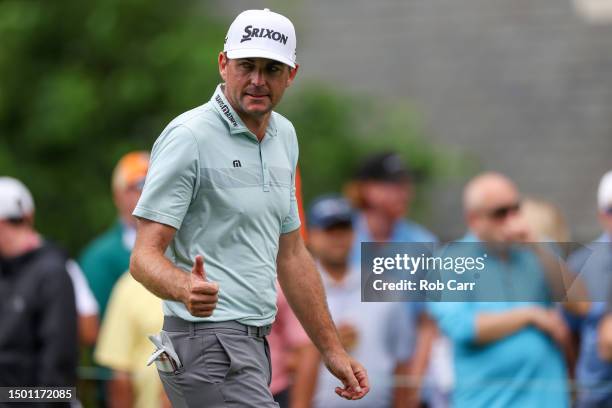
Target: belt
{"type": "Point", "coordinates": [176, 324]}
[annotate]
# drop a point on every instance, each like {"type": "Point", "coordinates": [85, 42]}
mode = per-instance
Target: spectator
{"type": "Point", "coordinates": [378, 334]}
{"type": "Point", "coordinates": [108, 256]}
{"type": "Point", "coordinates": [594, 264]}
{"type": "Point", "coordinates": [506, 353]}
{"type": "Point", "coordinates": [38, 328]}
{"type": "Point", "coordinates": [546, 220]}
{"type": "Point", "coordinates": [381, 191]}
{"type": "Point", "coordinates": [86, 305]}
{"type": "Point", "coordinates": [133, 313]}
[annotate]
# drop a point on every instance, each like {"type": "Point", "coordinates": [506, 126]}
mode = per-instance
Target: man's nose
{"type": "Point", "coordinates": [258, 78]}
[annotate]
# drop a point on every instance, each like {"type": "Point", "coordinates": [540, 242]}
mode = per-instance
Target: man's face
{"type": "Point", "coordinates": [605, 218]}
{"type": "Point", "coordinates": [126, 200]}
{"type": "Point", "coordinates": [498, 220]}
{"type": "Point", "coordinates": [5, 236]}
{"type": "Point", "coordinates": [331, 245]}
{"type": "Point", "coordinates": [389, 198]}
{"type": "Point", "coordinates": [254, 86]}
{"type": "Point", "coordinates": [9, 230]}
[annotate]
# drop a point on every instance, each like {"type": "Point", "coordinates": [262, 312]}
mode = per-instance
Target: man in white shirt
{"type": "Point", "coordinates": [378, 334]}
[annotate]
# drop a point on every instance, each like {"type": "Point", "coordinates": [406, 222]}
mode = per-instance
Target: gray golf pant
{"type": "Point", "coordinates": [222, 364]}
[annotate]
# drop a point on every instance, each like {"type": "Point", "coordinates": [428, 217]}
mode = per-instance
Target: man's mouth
{"type": "Point", "coordinates": [257, 96]}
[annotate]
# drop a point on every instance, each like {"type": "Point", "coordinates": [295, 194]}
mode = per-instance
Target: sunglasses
{"type": "Point", "coordinates": [501, 213]}
{"type": "Point", "coordinates": [15, 220]}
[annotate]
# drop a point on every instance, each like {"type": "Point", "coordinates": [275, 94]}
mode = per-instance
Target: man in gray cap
{"type": "Point", "coordinates": [221, 187]}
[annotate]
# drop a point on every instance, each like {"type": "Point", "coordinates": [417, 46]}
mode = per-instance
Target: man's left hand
{"type": "Point", "coordinates": [352, 374]}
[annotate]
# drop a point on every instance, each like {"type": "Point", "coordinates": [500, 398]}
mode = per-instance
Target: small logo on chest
{"type": "Point", "coordinates": [237, 163]}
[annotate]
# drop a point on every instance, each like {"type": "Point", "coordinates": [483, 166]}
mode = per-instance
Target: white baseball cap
{"type": "Point", "coordinates": [15, 199]}
{"type": "Point", "coordinates": [604, 195]}
{"type": "Point", "coordinates": [263, 34]}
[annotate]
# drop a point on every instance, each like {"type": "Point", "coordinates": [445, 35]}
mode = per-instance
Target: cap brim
{"type": "Point", "coordinates": [259, 53]}
{"type": "Point", "coordinates": [328, 222]}
{"type": "Point", "coordinates": [387, 178]}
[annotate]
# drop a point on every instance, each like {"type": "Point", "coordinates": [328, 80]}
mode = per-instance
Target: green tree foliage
{"type": "Point", "coordinates": [336, 131]}
{"type": "Point", "coordinates": [82, 83]}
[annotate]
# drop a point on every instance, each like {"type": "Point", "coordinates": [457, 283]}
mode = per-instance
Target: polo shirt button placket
{"type": "Point", "coordinates": [265, 171]}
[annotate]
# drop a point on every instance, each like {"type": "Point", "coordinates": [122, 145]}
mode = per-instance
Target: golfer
{"type": "Point", "coordinates": [218, 220]}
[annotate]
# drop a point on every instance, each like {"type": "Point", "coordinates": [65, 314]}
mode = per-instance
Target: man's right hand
{"type": "Point", "coordinates": [202, 296]}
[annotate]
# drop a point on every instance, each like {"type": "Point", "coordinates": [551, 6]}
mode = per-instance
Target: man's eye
{"type": "Point", "coordinates": [274, 68]}
{"type": "Point", "coordinates": [246, 65]}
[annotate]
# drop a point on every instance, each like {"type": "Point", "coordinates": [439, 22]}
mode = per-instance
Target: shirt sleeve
{"type": "Point", "coordinates": [86, 303]}
{"type": "Point", "coordinates": [172, 179]}
{"type": "Point", "coordinates": [457, 320]}
{"type": "Point", "coordinates": [117, 335]}
{"type": "Point", "coordinates": [292, 221]}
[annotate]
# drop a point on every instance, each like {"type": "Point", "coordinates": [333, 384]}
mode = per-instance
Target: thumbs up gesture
{"type": "Point", "coordinates": [202, 297]}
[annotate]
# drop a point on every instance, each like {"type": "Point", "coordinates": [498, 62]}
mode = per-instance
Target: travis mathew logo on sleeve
{"type": "Point", "coordinates": [237, 163]}
{"type": "Point", "coordinates": [226, 111]}
{"type": "Point", "coordinates": [250, 32]}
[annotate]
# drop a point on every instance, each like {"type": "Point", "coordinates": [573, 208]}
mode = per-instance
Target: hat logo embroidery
{"type": "Point", "coordinates": [250, 32]}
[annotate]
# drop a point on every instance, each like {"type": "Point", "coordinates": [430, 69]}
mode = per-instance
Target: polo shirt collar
{"type": "Point", "coordinates": [229, 115]}
{"type": "Point", "coordinates": [226, 111]}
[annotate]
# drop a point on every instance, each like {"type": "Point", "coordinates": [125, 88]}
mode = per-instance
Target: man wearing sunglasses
{"type": "Point", "coordinates": [507, 353]}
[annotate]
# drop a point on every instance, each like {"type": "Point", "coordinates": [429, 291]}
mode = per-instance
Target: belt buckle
{"type": "Point", "coordinates": [263, 330]}
{"type": "Point", "coordinates": [256, 331]}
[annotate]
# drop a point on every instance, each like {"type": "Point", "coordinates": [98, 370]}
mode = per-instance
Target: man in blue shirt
{"type": "Point", "coordinates": [594, 265]}
{"type": "Point", "coordinates": [506, 353]}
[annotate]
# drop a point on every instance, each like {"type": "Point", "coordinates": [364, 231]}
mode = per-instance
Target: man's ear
{"type": "Point", "coordinates": [470, 218]}
{"type": "Point", "coordinates": [223, 60]}
{"type": "Point", "coordinates": [292, 74]}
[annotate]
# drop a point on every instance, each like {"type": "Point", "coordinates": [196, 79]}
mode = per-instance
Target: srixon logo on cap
{"type": "Point", "coordinates": [250, 32]}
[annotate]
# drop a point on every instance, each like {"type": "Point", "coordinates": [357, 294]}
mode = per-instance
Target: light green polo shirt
{"type": "Point", "coordinates": [230, 198]}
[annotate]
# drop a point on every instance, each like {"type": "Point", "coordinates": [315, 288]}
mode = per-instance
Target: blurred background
{"type": "Point", "coordinates": [458, 86]}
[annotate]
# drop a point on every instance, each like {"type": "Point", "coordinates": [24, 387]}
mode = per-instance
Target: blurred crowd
{"type": "Point", "coordinates": [84, 321]}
